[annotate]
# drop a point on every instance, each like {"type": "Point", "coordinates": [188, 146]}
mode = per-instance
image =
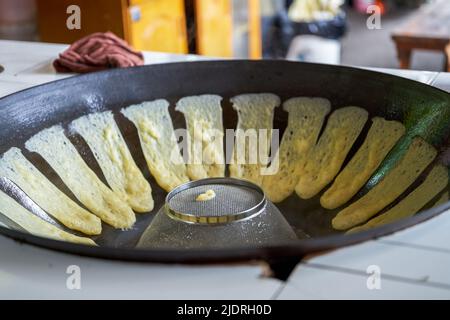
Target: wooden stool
{"type": "Point", "coordinates": [429, 29]}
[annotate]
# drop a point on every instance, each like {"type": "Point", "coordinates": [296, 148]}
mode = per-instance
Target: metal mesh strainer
{"type": "Point", "coordinates": [238, 215]}
{"type": "Point", "coordinates": [233, 200]}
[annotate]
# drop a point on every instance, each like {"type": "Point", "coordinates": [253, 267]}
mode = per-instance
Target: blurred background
{"type": "Point", "coordinates": [411, 34]}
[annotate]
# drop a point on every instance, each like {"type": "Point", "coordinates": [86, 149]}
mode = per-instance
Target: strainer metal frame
{"type": "Point", "coordinates": [230, 217]}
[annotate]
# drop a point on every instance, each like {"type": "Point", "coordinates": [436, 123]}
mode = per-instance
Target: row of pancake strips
{"type": "Point", "coordinates": [306, 163]}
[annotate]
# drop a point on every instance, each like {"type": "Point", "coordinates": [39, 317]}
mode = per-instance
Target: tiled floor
{"type": "Point", "coordinates": [413, 263]}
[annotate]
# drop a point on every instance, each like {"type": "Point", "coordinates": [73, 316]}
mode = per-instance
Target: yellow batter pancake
{"type": "Point", "coordinates": [325, 161]}
{"type": "Point", "coordinates": [27, 177]}
{"type": "Point", "coordinates": [204, 123]}
{"type": "Point", "coordinates": [419, 155]}
{"type": "Point", "coordinates": [434, 183]}
{"type": "Point", "coordinates": [255, 113]}
{"type": "Point", "coordinates": [158, 142]}
{"type": "Point", "coordinates": [442, 199]}
{"type": "Point", "coordinates": [35, 225]}
{"type": "Point", "coordinates": [382, 136]}
{"type": "Point", "coordinates": [58, 151]}
{"type": "Point", "coordinates": [306, 117]}
{"type": "Point", "coordinates": [104, 138]}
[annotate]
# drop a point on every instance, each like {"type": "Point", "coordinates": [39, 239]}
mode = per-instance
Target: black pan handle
{"type": "Point", "coordinates": [282, 267]}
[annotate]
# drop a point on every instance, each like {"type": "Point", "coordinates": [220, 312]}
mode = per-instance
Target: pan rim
{"type": "Point", "coordinates": [218, 61]}
{"type": "Point", "coordinates": [295, 249]}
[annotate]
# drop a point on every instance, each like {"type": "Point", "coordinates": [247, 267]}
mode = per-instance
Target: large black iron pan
{"type": "Point", "coordinates": [27, 112]}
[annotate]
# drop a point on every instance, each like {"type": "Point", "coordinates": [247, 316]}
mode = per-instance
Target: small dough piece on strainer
{"type": "Point", "coordinates": [382, 136]}
{"type": "Point", "coordinates": [418, 156]}
{"type": "Point", "coordinates": [325, 160]}
{"type": "Point", "coordinates": [104, 138]}
{"type": "Point", "coordinates": [206, 196]}
{"type": "Point", "coordinates": [434, 183]}
{"type": "Point", "coordinates": [204, 123]}
{"type": "Point", "coordinates": [53, 145]}
{"type": "Point", "coordinates": [35, 225]}
{"type": "Point", "coordinates": [306, 117]}
{"type": "Point", "coordinates": [158, 142]}
{"type": "Point", "coordinates": [27, 177]}
{"type": "Point", "coordinates": [255, 123]}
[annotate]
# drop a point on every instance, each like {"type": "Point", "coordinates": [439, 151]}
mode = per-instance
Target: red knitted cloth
{"type": "Point", "coordinates": [98, 51]}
